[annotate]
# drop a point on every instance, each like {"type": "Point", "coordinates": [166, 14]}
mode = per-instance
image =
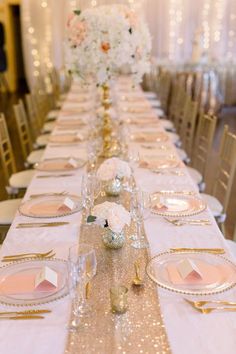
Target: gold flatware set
{"type": "Point", "coordinates": [199, 306]}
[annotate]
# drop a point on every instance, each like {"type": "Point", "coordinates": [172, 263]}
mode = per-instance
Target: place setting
{"type": "Point", "coordinates": [60, 164]}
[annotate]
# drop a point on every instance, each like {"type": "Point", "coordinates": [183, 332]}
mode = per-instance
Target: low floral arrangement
{"type": "Point", "coordinates": [113, 168]}
{"type": "Point", "coordinates": [102, 40]}
{"type": "Point", "coordinates": [110, 215]}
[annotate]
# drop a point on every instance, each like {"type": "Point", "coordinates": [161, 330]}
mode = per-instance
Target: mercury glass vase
{"type": "Point", "coordinates": [113, 187]}
{"type": "Point", "coordinates": [113, 240]}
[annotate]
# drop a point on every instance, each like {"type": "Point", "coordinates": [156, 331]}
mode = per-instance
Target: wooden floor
{"type": "Point", "coordinates": [227, 116]}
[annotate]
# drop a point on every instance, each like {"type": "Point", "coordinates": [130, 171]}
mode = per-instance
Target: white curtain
{"type": "Point", "coordinates": [181, 30]}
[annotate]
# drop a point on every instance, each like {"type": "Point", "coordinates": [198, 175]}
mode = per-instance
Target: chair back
{"type": "Point", "coordinates": [33, 114]}
{"type": "Point", "coordinates": [188, 130]}
{"type": "Point", "coordinates": [165, 87]}
{"type": "Point", "coordinates": [203, 142]}
{"type": "Point", "coordinates": [226, 168]}
{"type": "Point", "coordinates": [6, 153]}
{"type": "Point", "coordinates": [23, 128]}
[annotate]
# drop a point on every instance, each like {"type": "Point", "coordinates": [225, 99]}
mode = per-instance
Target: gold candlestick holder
{"type": "Point", "coordinates": [110, 145]}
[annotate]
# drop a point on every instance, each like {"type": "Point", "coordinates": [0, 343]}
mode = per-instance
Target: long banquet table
{"type": "Point", "coordinates": [187, 330]}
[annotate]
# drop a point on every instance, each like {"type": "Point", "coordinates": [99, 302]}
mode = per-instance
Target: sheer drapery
{"type": "Point", "coordinates": [182, 30]}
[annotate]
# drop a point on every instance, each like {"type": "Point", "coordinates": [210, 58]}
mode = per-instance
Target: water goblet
{"type": "Point", "coordinates": [137, 213]}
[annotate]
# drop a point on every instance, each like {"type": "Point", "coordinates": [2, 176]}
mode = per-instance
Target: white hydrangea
{"type": "Point", "coordinates": [113, 168]}
{"type": "Point", "coordinates": [115, 214]}
{"type": "Point", "coordinates": [103, 39]}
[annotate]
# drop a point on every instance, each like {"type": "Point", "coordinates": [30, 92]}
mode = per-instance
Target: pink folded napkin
{"type": "Point", "coordinates": [46, 209]}
{"type": "Point", "coordinates": [65, 138]}
{"type": "Point", "coordinates": [25, 284]}
{"type": "Point", "coordinates": [209, 274]}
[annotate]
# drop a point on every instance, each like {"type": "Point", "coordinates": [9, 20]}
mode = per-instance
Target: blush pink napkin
{"type": "Point", "coordinates": [210, 274]}
{"type": "Point", "coordinates": [67, 138]}
{"type": "Point", "coordinates": [23, 284]}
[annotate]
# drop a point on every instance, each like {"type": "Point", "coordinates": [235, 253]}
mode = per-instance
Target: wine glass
{"type": "Point", "coordinates": [76, 268]}
{"type": "Point", "coordinates": [88, 192]}
{"type": "Point", "coordinates": [85, 251]}
{"type": "Point", "coordinates": [137, 208]}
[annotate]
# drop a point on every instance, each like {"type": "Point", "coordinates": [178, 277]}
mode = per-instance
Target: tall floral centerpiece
{"type": "Point", "coordinates": [101, 41]}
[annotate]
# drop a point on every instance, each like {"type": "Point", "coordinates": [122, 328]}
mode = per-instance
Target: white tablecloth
{"type": "Point", "coordinates": [187, 330]}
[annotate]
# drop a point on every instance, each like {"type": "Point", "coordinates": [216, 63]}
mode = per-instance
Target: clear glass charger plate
{"type": "Point", "coordinates": [150, 137]}
{"type": "Point", "coordinates": [155, 163]}
{"type": "Point", "coordinates": [65, 138]}
{"type": "Point", "coordinates": [47, 206]}
{"type": "Point", "coordinates": [59, 165]}
{"type": "Point", "coordinates": [25, 271]}
{"type": "Point", "coordinates": [218, 273]}
{"type": "Point", "coordinates": [176, 204]}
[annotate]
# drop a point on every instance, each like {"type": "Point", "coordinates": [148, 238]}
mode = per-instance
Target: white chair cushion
{"type": "Point", "coordinates": [150, 95]}
{"type": "Point", "coordinates": [159, 112]}
{"type": "Point", "coordinates": [155, 103]}
{"type": "Point", "coordinates": [173, 137]}
{"type": "Point", "coordinates": [21, 179]}
{"type": "Point", "coordinates": [8, 209]}
{"type": "Point", "coordinates": [214, 205]}
{"type": "Point", "coordinates": [35, 156]}
{"type": "Point", "coordinates": [48, 127]}
{"type": "Point", "coordinates": [42, 140]}
{"type": "Point", "coordinates": [167, 124]}
{"type": "Point", "coordinates": [182, 154]}
{"type": "Point", "coordinates": [195, 175]}
{"type": "Point", "coordinates": [52, 114]}
{"type": "Point", "coordinates": [232, 247]}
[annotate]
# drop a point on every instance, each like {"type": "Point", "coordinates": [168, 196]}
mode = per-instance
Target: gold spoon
{"type": "Point", "coordinates": [137, 281]}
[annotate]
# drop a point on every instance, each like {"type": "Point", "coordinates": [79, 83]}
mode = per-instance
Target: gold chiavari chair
{"type": "Point", "coordinates": [165, 85]}
{"type": "Point", "coordinates": [9, 207]}
{"type": "Point", "coordinates": [219, 200]}
{"type": "Point", "coordinates": [201, 150]}
{"type": "Point", "coordinates": [189, 126]}
{"type": "Point", "coordinates": [31, 157]}
{"type": "Point", "coordinates": [18, 181]}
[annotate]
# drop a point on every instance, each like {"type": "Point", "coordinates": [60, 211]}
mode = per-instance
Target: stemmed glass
{"type": "Point", "coordinates": [82, 266]}
{"type": "Point", "coordinates": [88, 190]}
{"type": "Point", "coordinates": [137, 209]}
{"type": "Point", "coordinates": [76, 268]}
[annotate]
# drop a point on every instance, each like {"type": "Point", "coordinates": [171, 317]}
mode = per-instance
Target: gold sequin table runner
{"type": "Point", "coordinates": [141, 328]}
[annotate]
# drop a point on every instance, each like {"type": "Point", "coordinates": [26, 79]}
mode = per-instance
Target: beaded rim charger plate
{"type": "Point", "coordinates": [176, 204]}
{"type": "Point", "coordinates": [24, 292]}
{"type": "Point", "coordinates": [218, 273]}
{"type": "Point", "coordinates": [59, 164]}
{"type": "Point", "coordinates": [50, 206]}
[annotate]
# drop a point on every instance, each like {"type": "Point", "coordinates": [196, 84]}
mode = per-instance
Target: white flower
{"type": "Point", "coordinates": [103, 39]}
{"type": "Point", "coordinates": [113, 168]}
{"type": "Point", "coordinates": [115, 214]}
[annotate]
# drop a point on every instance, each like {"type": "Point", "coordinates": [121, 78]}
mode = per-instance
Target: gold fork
{"type": "Point", "coordinates": [27, 257]}
{"type": "Point", "coordinates": [29, 254]}
{"type": "Point", "coordinates": [211, 309]}
{"type": "Point", "coordinates": [202, 303]}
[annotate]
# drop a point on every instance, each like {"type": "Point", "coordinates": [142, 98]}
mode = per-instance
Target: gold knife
{"type": "Point", "coordinates": [51, 224]}
{"type": "Point", "coordinates": [209, 250]}
{"type": "Point", "coordinates": [26, 312]}
{"type": "Point", "coordinates": [25, 317]}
